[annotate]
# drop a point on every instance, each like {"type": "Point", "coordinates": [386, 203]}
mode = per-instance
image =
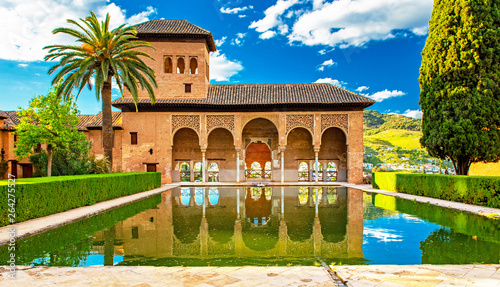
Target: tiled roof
{"type": "Point", "coordinates": [174, 28]}
{"type": "Point", "coordinates": [3, 115]}
{"type": "Point", "coordinates": [275, 95]}
{"type": "Point", "coordinates": [86, 121]}
{"type": "Point", "coordinates": [95, 121]}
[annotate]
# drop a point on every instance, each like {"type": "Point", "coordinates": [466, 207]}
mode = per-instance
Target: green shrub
{"type": "Point", "coordinates": [478, 190]}
{"type": "Point", "coordinates": [37, 197]}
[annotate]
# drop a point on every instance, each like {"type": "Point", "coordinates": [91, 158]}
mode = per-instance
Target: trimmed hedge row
{"type": "Point", "coordinates": [38, 197]}
{"type": "Point", "coordinates": [478, 190]}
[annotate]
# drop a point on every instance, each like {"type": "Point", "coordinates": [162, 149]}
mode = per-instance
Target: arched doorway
{"type": "Point", "coordinates": [185, 149]}
{"type": "Point", "coordinates": [260, 137]}
{"type": "Point", "coordinates": [256, 156]}
{"type": "Point", "coordinates": [334, 149]}
{"type": "Point", "coordinates": [221, 151]}
{"type": "Point", "coordinates": [299, 149]}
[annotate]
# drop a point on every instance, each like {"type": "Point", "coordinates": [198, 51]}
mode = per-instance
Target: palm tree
{"type": "Point", "coordinates": [103, 55]}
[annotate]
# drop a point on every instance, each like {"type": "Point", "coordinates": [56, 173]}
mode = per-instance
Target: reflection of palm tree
{"type": "Point", "coordinates": [102, 55]}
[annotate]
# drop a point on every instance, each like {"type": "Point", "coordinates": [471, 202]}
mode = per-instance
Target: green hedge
{"type": "Point", "coordinates": [478, 190]}
{"type": "Point", "coordinates": [37, 197]}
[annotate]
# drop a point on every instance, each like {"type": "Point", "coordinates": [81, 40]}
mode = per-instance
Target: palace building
{"type": "Point", "coordinates": [229, 133]}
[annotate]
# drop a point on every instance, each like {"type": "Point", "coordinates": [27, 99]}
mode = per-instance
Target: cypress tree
{"type": "Point", "coordinates": [459, 82]}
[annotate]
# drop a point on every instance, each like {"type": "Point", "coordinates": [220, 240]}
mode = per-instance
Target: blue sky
{"type": "Point", "coordinates": [371, 47]}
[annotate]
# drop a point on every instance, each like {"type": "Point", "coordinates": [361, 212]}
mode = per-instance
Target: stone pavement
{"type": "Point", "coordinates": [166, 276]}
{"type": "Point", "coordinates": [419, 275]}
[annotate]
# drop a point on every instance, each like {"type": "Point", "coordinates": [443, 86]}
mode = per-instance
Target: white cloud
{"type": "Point", "coordinates": [22, 65]}
{"type": "Point", "coordinates": [362, 88]}
{"type": "Point", "coordinates": [331, 81]}
{"type": "Point", "coordinates": [238, 41]}
{"type": "Point", "coordinates": [221, 68]}
{"type": "Point", "coordinates": [416, 114]}
{"type": "Point", "coordinates": [327, 63]}
{"type": "Point", "coordinates": [242, 16]}
{"type": "Point", "coordinates": [267, 35]}
{"type": "Point", "coordinates": [235, 10]}
{"type": "Point", "coordinates": [220, 41]}
{"type": "Point", "coordinates": [272, 16]}
{"type": "Point", "coordinates": [382, 234]}
{"type": "Point", "coordinates": [345, 23]}
{"type": "Point", "coordinates": [26, 25]}
{"type": "Point", "coordinates": [385, 94]}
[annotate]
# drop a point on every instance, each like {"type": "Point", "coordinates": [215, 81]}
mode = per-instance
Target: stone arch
{"type": "Point", "coordinates": [174, 132]}
{"type": "Point", "coordinates": [261, 131]}
{"type": "Point", "coordinates": [299, 149]}
{"type": "Point", "coordinates": [220, 149]}
{"type": "Point", "coordinates": [334, 149]}
{"type": "Point", "coordinates": [181, 65]}
{"type": "Point", "coordinates": [299, 127]}
{"type": "Point", "coordinates": [222, 127]}
{"type": "Point", "coordinates": [168, 65]}
{"type": "Point", "coordinates": [346, 134]}
{"type": "Point", "coordinates": [185, 148]}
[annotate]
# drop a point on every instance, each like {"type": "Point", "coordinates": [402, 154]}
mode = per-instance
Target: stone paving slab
{"type": "Point", "coordinates": [37, 225]}
{"type": "Point", "coordinates": [144, 276]}
{"type": "Point", "coordinates": [476, 209]}
{"type": "Point", "coordinates": [419, 275]}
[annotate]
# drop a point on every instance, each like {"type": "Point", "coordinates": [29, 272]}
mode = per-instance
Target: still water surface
{"type": "Point", "coordinates": [229, 226]}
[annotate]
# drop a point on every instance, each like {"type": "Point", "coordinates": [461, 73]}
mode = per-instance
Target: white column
{"type": "Point", "coordinates": [316, 167]}
{"type": "Point", "coordinates": [237, 166]}
{"type": "Point", "coordinates": [203, 172]}
{"type": "Point", "coordinates": [282, 202]}
{"type": "Point", "coordinates": [282, 166]}
{"type": "Point", "coordinates": [316, 201]}
{"type": "Point", "coordinates": [238, 202]}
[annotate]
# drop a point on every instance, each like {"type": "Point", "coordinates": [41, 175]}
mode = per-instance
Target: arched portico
{"type": "Point", "coordinates": [261, 140]}
{"type": "Point", "coordinates": [185, 149]}
{"type": "Point", "coordinates": [221, 150]}
{"type": "Point", "coordinates": [334, 149]}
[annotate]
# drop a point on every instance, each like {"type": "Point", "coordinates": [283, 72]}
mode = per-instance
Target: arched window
{"type": "Point", "coordinates": [181, 66]}
{"type": "Point", "coordinates": [198, 174]}
{"type": "Point", "coordinates": [331, 172]}
{"type": "Point", "coordinates": [185, 172]}
{"type": "Point", "coordinates": [303, 171]}
{"type": "Point", "coordinates": [168, 68]}
{"type": "Point", "coordinates": [193, 66]}
{"type": "Point", "coordinates": [267, 170]}
{"type": "Point", "coordinates": [255, 170]}
{"type": "Point", "coordinates": [213, 172]}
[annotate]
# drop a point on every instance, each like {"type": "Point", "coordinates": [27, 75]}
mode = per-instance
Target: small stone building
{"type": "Point", "coordinates": [230, 133]}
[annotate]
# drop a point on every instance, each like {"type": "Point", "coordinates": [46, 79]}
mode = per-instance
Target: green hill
{"type": "Point", "coordinates": [394, 139]}
{"type": "Point", "coordinates": [375, 122]}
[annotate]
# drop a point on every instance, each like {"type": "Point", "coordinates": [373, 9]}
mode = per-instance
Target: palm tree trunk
{"type": "Point", "coordinates": [107, 123]}
{"type": "Point", "coordinates": [49, 160]}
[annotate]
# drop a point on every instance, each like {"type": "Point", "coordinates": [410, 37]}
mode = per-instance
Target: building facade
{"type": "Point", "coordinates": [230, 133]}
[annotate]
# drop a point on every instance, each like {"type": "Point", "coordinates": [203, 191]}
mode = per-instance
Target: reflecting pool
{"type": "Point", "coordinates": [229, 226]}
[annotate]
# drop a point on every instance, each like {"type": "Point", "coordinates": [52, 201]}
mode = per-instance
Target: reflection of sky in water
{"type": "Point", "coordinates": [198, 195]}
{"type": "Point", "coordinates": [213, 196]}
{"type": "Point", "coordinates": [185, 195]}
{"type": "Point", "coordinates": [395, 239]}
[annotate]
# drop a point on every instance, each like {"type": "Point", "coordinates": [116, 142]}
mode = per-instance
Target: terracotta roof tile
{"type": "Point", "coordinates": [174, 28]}
{"type": "Point", "coordinates": [265, 95]}
{"type": "Point", "coordinates": [86, 121]}
{"type": "Point", "coordinates": [3, 115]}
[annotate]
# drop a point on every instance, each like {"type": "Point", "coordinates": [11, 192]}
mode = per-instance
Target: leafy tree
{"type": "Point", "coordinates": [69, 162]}
{"type": "Point", "coordinates": [459, 76]}
{"type": "Point", "coordinates": [103, 55]}
{"type": "Point", "coordinates": [48, 120]}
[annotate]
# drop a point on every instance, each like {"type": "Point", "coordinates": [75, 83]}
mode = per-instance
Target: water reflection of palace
{"type": "Point", "coordinates": [205, 222]}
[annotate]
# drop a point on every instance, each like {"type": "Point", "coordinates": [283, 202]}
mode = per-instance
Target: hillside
{"type": "Point", "coordinates": [394, 140]}
{"type": "Point", "coordinates": [375, 122]}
